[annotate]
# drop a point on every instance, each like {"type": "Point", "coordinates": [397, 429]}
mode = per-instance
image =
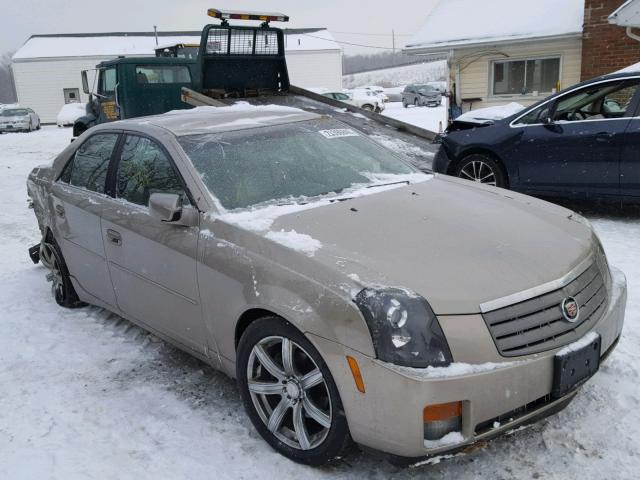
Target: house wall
{"type": "Point", "coordinates": [321, 69]}
{"type": "Point", "coordinates": [40, 83]}
{"type": "Point", "coordinates": [475, 68]}
{"type": "Point", "coordinates": [605, 47]}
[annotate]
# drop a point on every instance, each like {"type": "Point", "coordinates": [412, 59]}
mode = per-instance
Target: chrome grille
{"type": "Point", "coordinates": [537, 324]}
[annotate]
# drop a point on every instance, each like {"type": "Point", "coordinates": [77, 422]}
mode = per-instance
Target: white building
{"type": "Point", "coordinates": [46, 69]}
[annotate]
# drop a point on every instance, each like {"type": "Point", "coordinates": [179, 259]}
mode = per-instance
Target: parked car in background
{"type": "Point", "coordinates": [69, 113]}
{"type": "Point", "coordinates": [364, 99]}
{"type": "Point", "coordinates": [581, 142]}
{"type": "Point", "coordinates": [421, 95]}
{"type": "Point", "coordinates": [378, 91]}
{"type": "Point", "coordinates": [19, 119]}
{"type": "Point", "coordinates": [440, 86]}
{"type": "Point", "coordinates": [353, 297]}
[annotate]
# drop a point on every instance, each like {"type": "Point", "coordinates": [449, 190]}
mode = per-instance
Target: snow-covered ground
{"type": "Point", "coordinates": [430, 118]}
{"type": "Point", "coordinates": [85, 394]}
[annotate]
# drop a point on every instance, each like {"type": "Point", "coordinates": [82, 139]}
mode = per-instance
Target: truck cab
{"type": "Point", "coordinates": [134, 87]}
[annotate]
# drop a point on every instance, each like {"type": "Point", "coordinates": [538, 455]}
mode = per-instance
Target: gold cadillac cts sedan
{"type": "Point", "coordinates": [354, 298]}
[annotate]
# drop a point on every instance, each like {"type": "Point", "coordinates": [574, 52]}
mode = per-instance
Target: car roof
{"type": "Point", "coordinates": [200, 120]}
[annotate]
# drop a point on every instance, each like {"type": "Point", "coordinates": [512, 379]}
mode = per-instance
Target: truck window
{"type": "Point", "coordinates": [108, 81]}
{"type": "Point", "coordinates": [152, 74]}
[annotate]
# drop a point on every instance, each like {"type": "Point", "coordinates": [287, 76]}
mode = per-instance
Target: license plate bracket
{"type": "Point", "coordinates": [572, 369]}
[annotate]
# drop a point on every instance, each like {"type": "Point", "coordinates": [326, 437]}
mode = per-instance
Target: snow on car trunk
{"type": "Point", "coordinates": [85, 393]}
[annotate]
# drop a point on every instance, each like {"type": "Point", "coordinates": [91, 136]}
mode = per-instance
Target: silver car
{"type": "Point", "coordinates": [19, 120]}
{"type": "Point", "coordinates": [354, 298]}
{"type": "Point", "coordinates": [421, 95]}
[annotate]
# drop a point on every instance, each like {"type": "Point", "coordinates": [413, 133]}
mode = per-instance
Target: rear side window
{"type": "Point", "coordinates": [144, 169]}
{"type": "Point", "coordinates": [162, 74]}
{"type": "Point", "coordinates": [88, 167]}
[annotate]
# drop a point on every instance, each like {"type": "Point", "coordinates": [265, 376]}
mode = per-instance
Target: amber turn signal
{"type": "Point", "coordinates": [355, 371]}
{"type": "Point", "coordinates": [441, 411]}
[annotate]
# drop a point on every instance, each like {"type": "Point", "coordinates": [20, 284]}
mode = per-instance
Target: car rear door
{"type": "Point", "coordinates": [578, 151]}
{"type": "Point", "coordinates": [152, 263]}
{"type": "Point", "coordinates": [77, 200]}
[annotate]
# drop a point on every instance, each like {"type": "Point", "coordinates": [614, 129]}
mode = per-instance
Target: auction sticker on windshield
{"type": "Point", "coordinates": [338, 133]}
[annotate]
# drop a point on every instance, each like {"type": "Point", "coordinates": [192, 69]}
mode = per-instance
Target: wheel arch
{"type": "Point", "coordinates": [248, 317]}
{"type": "Point", "coordinates": [481, 151]}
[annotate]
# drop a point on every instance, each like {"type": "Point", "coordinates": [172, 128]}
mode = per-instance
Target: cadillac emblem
{"type": "Point", "coordinates": [570, 309]}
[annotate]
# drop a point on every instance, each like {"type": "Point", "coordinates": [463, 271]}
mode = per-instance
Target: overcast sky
{"type": "Point", "coordinates": [347, 19]}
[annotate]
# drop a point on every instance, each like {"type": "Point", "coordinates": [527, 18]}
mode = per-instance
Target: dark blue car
{"type": "Point", "coordinates": [581, 142]}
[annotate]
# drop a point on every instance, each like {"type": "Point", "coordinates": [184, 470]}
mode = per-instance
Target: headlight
{"type": "Point", "coordinates": [404, 329]}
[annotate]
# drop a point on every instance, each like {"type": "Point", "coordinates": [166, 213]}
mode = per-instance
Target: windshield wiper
{"type": "Point", "coordinates": [390, 183]}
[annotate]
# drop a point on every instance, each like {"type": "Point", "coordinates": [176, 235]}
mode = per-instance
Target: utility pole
{"type": "Point", "coordinates": [155, 31]}
{"type": "Point", "coordinates": [393, 40]}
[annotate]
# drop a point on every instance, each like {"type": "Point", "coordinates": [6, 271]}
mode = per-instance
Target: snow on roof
{"type": "Point", "coordinates": [113, 45]}
{"type": "Point", "coordinates": [627, 14]}
{"type": "Point", "coordinates": [467, 22]}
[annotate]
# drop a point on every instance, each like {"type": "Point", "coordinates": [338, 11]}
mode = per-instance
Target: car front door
{"type": "Point", "coordinates": [152, 263]}
{"type": "Point", "coordinates": [630, 159]}
{"type": "Point", "coordinates": [77, 199]}
{"type": "Point", "coordinates": [573, 146]}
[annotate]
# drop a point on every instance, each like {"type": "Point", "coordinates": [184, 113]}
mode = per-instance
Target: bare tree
{"type": "Point", "coordinates": [7, 89]}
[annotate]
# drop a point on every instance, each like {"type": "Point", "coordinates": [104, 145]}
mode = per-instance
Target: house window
{"type": "Point", "coordinates": [521, 77]}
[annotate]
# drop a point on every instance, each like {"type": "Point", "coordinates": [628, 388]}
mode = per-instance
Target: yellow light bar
{"type": "Point", "coordinates": [236, 15]}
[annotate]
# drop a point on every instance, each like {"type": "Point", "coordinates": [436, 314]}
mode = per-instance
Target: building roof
{"type": "Point", "coordinates": [116, 44]}
{"type": "Point", "coordinates": [627, 14]}
{"type": "Point", "coordinates": [461, 23]}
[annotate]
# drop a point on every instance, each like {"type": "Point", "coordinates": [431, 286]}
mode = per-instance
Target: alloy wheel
{"type": "Point", "coordinates": [289, 392]}
{"type": "Point", "coordinates": [51, 261]}
{"type": "Point", "coordinates": [478, 171]}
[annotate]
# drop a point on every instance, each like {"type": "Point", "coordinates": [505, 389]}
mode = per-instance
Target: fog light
{"type": "Point", "coordinates": [441, 418]}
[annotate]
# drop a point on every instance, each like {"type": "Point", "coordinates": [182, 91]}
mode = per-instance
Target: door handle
{"type": "Point", "coordinates": [60, 211]}
{"type": "Point", "coordinates": [604, 136]}
{"type": "Point", "coordinates": [114, 237]}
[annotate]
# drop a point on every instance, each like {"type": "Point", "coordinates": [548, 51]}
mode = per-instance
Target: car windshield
{"type": "Point", "coordinates": [426, 88]}
{"type": "Point", "coordinates": [290, 162]}
{"type": "Point", "coordinates": [14, 112]}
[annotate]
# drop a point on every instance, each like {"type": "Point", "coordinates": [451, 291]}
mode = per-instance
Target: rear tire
{"type": "Point", "coordinates": [302, 419]}
{"type": "Point", "coordinates": [61, 287]}
{"type": "Point", "coordinates": [416, 103]}
{"type": "Point", "coordinates": [404, 103]}
{"type": "Point", "coordinates": [368, 107]}
{"type": "Point", "coordinates": [482, 169]}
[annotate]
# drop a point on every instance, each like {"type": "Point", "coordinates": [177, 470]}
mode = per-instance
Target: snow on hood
{"type": "Point", "coordinates": [70, 112]}
{"type": "Point", "coordinates": [237, 107]}
{"type": "Point", "coordinates": [499, 112]}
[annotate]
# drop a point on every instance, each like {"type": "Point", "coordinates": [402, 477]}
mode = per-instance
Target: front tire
{"type": "Point", "coordinates": [289, 393]}
{"type": "Point", "coordinates": [61, 286]}
{"type": "Point", "coordinates": [368, 107]}
{"type": "Point", "coordinates": [481, 168]}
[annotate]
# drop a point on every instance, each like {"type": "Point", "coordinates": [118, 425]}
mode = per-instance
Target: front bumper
{"type": "Point", "coordinates": [441, 160]}
{"type": "Point", "coordinates": [14, 127]}
{"type": "Point", "coordinates": [388, 417]}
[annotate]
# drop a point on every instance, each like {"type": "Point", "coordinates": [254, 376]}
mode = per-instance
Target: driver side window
{"type": "Point", "coordinates": [597, 102]}
{"type": "Point", "coordinates": [145, 169]}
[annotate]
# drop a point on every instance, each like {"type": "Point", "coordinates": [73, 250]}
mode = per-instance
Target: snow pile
{"type": "Point", "coordinates": [579, 344]}
{"type": "Point", "coordinates": [462, 22]}
{"type": "Point", "coordinates": [491, 113]}
{"type": "Point", "coordinates": [429, 118]}
{"type": "Point", "coordinates": [70, 112]}
{"type": "Point", "coordinates": [300, 242]}
{"type": "Point", "coordinates": [450, 438]}
{"type": "Point", "coordinates": [453, 370]}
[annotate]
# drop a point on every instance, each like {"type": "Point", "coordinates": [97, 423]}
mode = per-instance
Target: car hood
{"type": "Point", "coordinates": [456, 243]}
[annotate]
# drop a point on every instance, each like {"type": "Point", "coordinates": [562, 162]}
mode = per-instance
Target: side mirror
{"type": "Point", "coordinates": [168, 208]}
{"type": "Point", "coordinates": [85, 82]}
{"type": "Point", "coordinates": [547, 120]}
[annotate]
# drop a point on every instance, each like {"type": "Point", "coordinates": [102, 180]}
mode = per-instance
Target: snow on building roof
{"type": "Point", "coordinates": [627, 14]}
{"type": "Point", "coordinates": [144, 43]}
{"type": "Point", "coordinates": [454, 23]}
